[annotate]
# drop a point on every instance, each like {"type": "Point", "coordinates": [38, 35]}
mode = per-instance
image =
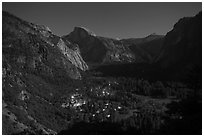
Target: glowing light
{"type": "Point", "coordinates": [77, 104]}
{"type": "Point", "coordinates": [97, 111]}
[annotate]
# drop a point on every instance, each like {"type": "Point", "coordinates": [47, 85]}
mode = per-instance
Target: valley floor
{"type": "Point", "coordinates": [99, 105]}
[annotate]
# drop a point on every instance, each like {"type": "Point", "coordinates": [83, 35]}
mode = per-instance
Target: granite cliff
{"type": "Point", "coordinates": [37, 67]}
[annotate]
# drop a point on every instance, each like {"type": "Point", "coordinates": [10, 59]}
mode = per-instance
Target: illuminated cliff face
{"type": "Point", "coordinates": [102, 50]}
{"type": "Point", "coordinates": [37, 48]}
{"type": "Point", "coordinates": [35, 63]}
{"type": "Point", "coordinates": [95, 49]}
{"type": "Point", "coordinates": [72, 54]}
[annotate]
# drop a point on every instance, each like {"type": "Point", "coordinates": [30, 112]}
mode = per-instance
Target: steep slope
{"type": "Point", "coordinates": [95, 49]}
{"type": "Point", "coordinates": [72, 53]}
{"type": "Point", "coordinates": [37, 67]}
{"type": "Point", "coordinates": [101, 50]}
{"type": "Point", "coordinates": [43, 42]}
{"type": "Point", "coordinates": [137, 41]}
{"type": "Point", "coordinates": [183, 44]}
{"type": "Point", "coordinates": [148, 47]}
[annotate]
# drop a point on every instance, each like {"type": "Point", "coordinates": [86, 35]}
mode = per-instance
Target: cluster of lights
{"type": "Point", "coordinates": [74, 101]}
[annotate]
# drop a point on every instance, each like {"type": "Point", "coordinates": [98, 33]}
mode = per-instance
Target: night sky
{"type": "Point", "coordinates": [115, 20]}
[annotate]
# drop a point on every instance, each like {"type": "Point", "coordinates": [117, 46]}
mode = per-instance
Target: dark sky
{"type": "Point", "coordinates": [122, 20]}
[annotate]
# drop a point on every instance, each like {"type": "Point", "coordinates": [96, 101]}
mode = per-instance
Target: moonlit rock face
{"type": "Point", "coordinates": [87, 30]}
{"type": "Point", "coordinates": [42, 27]}
{"type": "Point", "coordinates": [72, 54]}
{"type": "Point", "coordinates": [48, 29]}
{"type": "Point", "coordinates": [96, 49]}
{"type": "Point", "coordinates": [84, 29]}
{"type": "Point", "coordinates": [38, 44]}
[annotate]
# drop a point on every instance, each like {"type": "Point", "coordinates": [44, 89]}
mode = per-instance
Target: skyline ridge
{"type": "Point", "coordinates": [114, 20]}
{"type": "Point", "coordinates": [93, 33]}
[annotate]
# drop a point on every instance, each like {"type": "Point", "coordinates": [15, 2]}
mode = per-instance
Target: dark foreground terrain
{"type": "Point", "coordinates": [48, 87]}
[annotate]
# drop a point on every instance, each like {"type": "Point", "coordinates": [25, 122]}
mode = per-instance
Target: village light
{"type": "Point", "coordinates": [97, 111]}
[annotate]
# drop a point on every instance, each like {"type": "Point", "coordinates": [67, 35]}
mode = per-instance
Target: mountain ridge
{"type": "Point", "coordinates": [111, 50]}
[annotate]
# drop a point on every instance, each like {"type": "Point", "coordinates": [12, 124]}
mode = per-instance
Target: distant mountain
{"type": "Point", "coordinates": [182, 46]}
{"type": "Point", "coordinates": [137, 41]}
{"type": "Point", "coordinates": [148, 47]}
{"type": "Point", "coordinates": [95, 49]}
{"type": "Point", "coordinates": [102, 50]}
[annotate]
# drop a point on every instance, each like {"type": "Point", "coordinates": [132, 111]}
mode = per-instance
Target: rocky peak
{"type": "Point", "coordinates": [153, 36]}
{"type": "Point", "coordinates": [80, 33]}
{"type": "Point", "coordinates": [96, 49]}
{"type": "Point", "coordinates": [83, 30]}
{"type": "Point", "coordinates": [44, 30]}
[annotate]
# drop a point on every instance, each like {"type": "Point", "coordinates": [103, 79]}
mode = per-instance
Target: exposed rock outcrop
{"type": "Point", "coordinates": [36, 64]}
{"type": "Point", "coordinates": [101, 50]}
{"type": "Point", "coordinates": [147, 48]}
{"type": "Point", "coordinates": [72, 54]}
{"type": "Point", "coordinates": [95, 49]}
{"type": "Point", "coordinates": [37, 47]}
